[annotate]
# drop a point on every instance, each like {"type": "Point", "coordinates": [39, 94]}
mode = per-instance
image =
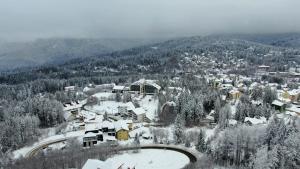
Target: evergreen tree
{"type": "Point", "coordinates": [136, 139]}
{"type": "Point", "coordinates": [224, 116]}
{"type": "Point", "coordinates": [257, 93]}
{"type": "Point", "coordinates": [178, 130]}
{"type": "Point", "coordinates": [155, 141]}
{"type": "Point", "coordinates": [217, 109]}
{"type": "Point", "coordinates": [187, 143]}
{"type": "Point", "coordinates": [269, 95]}
{"type": "Point", "coordinates": [118, 97]}
{"type": "Point", "coordinates": [201, 144]}
{"type": "Point", "coordinates": [105, 116]}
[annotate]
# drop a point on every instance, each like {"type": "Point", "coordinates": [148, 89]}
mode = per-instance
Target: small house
{"type": "Point", "coordinates": [108, 127]}
{"type": "Point", "coordinates": [122, 130]}
{"type": "Point", "coordinates": [93, 128]}
{"type": "Point", "coordinates": [234, 94]}
{"type": "Point", "coordinates": [263, 68]}
{"type": "Point", "coordinates": [72, 107]}
{"type": "Point", "coordinates": [255, 121]}
{"type": "Point", "coordinates": [118, 89]}
{"type": "Point", "coordinates": [278, 105]}
{"type": "Point", "coordinates": [89, 139]}
{"type": "Point", "coordinates": [138, 114]}
{"type": "Point", "coordinates": [70, 88]}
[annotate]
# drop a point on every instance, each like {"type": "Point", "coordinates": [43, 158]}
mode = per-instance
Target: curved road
{"type": "Point", "coordinates": [39, 147]}
{"type": "Point", "coordinates": [193, 156]}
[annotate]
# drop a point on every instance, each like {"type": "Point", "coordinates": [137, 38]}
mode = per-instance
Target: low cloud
{"type": "Point", "coordinates": [31, 19]}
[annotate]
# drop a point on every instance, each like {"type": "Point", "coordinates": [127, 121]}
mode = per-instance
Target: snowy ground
{"type": "Point", "coordinates": [150, 159]}
{"type": "Point", "coordinates": [111, 107]}
{"type": "Point", "coordinates": [150, 105]}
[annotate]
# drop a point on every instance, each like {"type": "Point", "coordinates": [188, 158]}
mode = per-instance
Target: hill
{"type": "Point", "coordinates": [57, 51]}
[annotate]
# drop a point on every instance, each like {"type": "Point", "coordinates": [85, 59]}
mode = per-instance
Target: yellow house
{"type": "Point", "coordinates": [292, 95]}
{"type": "Point", "coordinates": [285, 94]}
{"type": "Point", "coordinates": [122, 130]}
{"type": "Point", "coordinates": [122, 134]}
{"type": "Point", "coordinates": [234, 94]}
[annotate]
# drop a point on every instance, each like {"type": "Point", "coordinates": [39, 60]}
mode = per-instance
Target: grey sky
{"type": "Point", "coordinates": [30, 19]}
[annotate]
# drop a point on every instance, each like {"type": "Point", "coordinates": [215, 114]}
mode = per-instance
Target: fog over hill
{"type": "Point", "coordinates": [58, 50]}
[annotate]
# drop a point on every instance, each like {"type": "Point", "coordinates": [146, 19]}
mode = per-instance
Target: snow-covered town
{"type": "Point", "coordinates": [132, 114]}
{"type": "Point", "coordinates": [161, 84]}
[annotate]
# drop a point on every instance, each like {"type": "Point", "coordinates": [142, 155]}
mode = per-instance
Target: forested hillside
{"type": "Point", "coordinates": [59, 50]}
{"type": "Point", "coordinates": [162, 57]}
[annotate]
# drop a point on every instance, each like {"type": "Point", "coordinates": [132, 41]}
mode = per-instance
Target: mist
{"type": "Point", "coordinates": [32, 19]}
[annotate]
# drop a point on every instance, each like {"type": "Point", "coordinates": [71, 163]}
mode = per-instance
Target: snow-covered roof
{"type": "Point", "coordinates": [107, 124]}
{"type": "Point", "coordinates": [147, 82]}
{"type": "Point", "coordinates": [291, 113]}
{"type": "Point", "coordinates": [294, 108]}
{"type": "Point", "coordinates": [139, 111]}
{"type": "Point", "coordinates": [256, 102]}
{"type": "Point", "coordinates": [255, 121]}
{"type": "Point", "coordinates": [294, 92]}
{"type": "Point", "coordinates": [88, 115]}
{"type": "Point", "coordinates": [69, 88]}
{"type": "Point", "coordinates": [119, 88]}
{"type": "Point", "coordinates": [128, 121]}
{"type": "Point", "coordinates": [91, 127]}
{"type": "Point", "coordinates": [234, 91]}
{"type": "Point", "coordinates": [277, 103]}
{"type": "Point", "coordinates": [232, 122]}
{"type": "Point", "coordinates": [210, 117]}
{"type": "Point", "coordinates": [130, 106]}
{"type": "Point", "coordinates": [121, 125]}
{"type": "Point", "coordinates": [146, 135]}
{"type": "Point", "coordinates": [175, 88]}
{"type": "Point", "coordinates": [263, 66]}
{"type": "Point", "coordinates": [90, 134]}
{"type": "Point", "coordinates": [72, 106]}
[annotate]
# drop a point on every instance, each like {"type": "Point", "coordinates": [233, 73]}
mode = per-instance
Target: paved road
{"type": "Point", "coordinates": [41, 146]}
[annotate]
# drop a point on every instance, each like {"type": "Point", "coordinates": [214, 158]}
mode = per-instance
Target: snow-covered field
{"type": "Point", "coordinates": [151, 159]}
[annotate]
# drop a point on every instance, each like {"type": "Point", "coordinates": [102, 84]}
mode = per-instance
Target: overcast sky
{"type": "Point", "coordinates": [31, 19]}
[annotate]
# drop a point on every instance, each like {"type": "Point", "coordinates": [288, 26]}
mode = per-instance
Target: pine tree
{"type": "Point", "coordinates": [269, 95]}
{"type": "Point", "coordinates": [136, 139]}
{"type": "Point", "coordinates": [118, 97]}
{"type": "Point", "coordinates": [179, 129]}
{"type": "Point", "coordinates": [201, 144]}
{"type": "Point", "coordinates": [155, 141]}
{"type": "Point", "coordinates": [187, 143]}
{"type": "Point", "coordinates": [224, 116]}
{"type": "Point", "coordinates": [217, 108]}
{"type": "Point", "coordinates": [105, 116]}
